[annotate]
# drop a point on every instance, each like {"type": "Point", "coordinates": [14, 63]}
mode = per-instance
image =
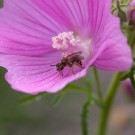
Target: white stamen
{"type": "Point", "coordinates": [69, 42]}
{"type": "Point", "coordinates": [64, 40]}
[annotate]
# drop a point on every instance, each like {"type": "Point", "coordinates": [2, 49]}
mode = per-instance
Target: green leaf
{"type": "Point", "coordinates": [59, 96]}
{"type": "Point", "coordinates": [31, 98]}
{"type": "Point", "coordinates": [130, 32]}
{"type": "Point", "coordinates": [86, 83]}
{"type": "Point", "coordinates": [113, 7]}
{"type": "Point", "coordinates": [125, 76]}
{"type": "Point", "coordinates": [125, 2]}
{"type": "Point", "coordinates": [71, 86]}
{"type": "Point", "coordinates": [57, 99]}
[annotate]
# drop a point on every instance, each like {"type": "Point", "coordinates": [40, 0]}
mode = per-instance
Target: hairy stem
{"type": "Point", "coordinates": [85, 115]}
{"type": "Point", "coordinates": [108, 103]}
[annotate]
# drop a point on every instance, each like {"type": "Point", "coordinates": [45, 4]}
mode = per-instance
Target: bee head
{"type": "Point", "coordinates": [60, 66]}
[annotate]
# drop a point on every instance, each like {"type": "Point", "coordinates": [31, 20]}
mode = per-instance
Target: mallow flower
{"type": "Point", "coordinates": [35, 35]}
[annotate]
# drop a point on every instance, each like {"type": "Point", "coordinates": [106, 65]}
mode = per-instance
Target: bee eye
{"type": "Point", "coordinates": [57, 65]}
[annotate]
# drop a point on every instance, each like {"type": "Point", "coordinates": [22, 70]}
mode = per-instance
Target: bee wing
{"type": "Point", "coordinates": [74, 55]}
{"type": "Point", "coordinates": [80, 57]}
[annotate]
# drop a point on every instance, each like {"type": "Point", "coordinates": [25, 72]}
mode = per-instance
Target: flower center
{"type": "Point", "coordinates": [69, 43]}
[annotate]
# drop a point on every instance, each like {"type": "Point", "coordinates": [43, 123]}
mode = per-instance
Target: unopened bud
{"type": "Point", "coordinates": [128, 89]}
{"type": "Point", "coordinates": [131, 13]}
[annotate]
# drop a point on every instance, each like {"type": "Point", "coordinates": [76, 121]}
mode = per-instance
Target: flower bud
{"type": "Point", "coordinates": [128, 89]}
{"type": "Point", "coordinates": [131, 13]}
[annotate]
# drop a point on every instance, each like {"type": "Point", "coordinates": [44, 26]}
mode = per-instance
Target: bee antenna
{"type": "Point", "coordinates": [52, 65]}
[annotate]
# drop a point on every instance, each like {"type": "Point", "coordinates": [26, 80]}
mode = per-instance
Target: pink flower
{"type": "Point", "coordinates": [35, 34]}
{"type": "Point", "coordinates": [133, 2]}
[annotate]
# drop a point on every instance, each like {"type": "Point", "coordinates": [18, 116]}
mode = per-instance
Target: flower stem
{"type": "Point", "coordinates": [99, 91]}
{"type": "Point", "coordinates": [85, 115]}
{"type": "Point", "coordinates": [108, 103]}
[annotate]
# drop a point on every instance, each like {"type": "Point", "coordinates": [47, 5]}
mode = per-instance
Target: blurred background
{"type": "Point", "coordinates": [41, 118]}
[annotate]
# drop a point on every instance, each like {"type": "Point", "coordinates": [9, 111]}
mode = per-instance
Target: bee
{"type": "Point", "coordinates": [70, 61]}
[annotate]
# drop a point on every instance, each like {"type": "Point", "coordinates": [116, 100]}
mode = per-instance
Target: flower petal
{"type": "Point", "coordinates": [35, 74]}
{"type": "Point", "coordinates": [132, 2]}
{"type": "Point", "coordinates": [70, 13]}
{"type": "Point", "coordinates": [117, 55]}
{"type": "Point", "coordinates": [23, 29]}
{"type": "Point", "coordinates": [81, 16]}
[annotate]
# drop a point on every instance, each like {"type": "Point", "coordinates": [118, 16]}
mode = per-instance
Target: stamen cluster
{"type": "Point", "coordinates": [64, 41]}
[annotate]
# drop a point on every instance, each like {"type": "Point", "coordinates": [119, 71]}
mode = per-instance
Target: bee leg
{"type": "Point", "coordinates": [72, 70]}
{"type": "Point", "coordinates": [79, 65]}
{"type": "Point", "coordinates": [61, 73]}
